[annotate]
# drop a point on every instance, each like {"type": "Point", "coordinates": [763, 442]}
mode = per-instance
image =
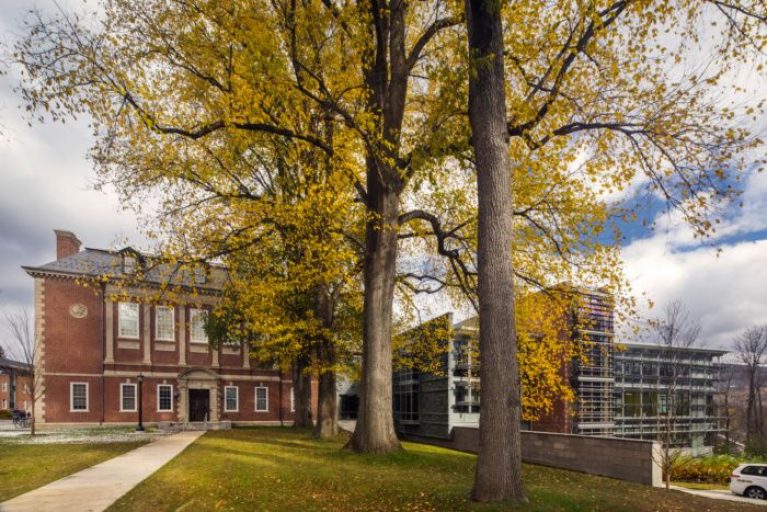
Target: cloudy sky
{"type": "Point", "coordinates": [46, 183]}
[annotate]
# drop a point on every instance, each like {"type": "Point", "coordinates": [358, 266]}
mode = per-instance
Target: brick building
{"type": "Point", "coordinates": [15, 389]}
{"type": "Point", "coordinates": [97, 334]}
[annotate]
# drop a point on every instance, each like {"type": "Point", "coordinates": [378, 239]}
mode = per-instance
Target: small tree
{"type": "Point", "coordinates": [751, 346]}
{"type": "Point", "coordinates": [675, 333]}
{"type": "Point", "coordinates": [24, 349]}
{"type": "Point", "coordinates": [725, 406]}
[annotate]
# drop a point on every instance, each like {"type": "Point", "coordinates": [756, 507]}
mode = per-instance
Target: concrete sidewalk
{"type": "Point", "coordinates": [97, 487]}
{"type": "Point", "coordinates": [719, 495]}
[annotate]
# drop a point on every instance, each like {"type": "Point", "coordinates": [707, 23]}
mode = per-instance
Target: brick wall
{"type": "Point", "coordinates": [22, 392]}
{"type": "Point", "coordinates": [87, 348]}
{"type": "Point", "coordinates": [73, 345]}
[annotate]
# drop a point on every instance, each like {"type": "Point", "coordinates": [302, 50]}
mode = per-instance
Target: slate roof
{"type": "Point", "coordinates": [99, 263]}
{"type": "Point", "coordinates": [10, 364]}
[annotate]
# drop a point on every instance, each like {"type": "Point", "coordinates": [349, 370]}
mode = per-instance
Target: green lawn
{"type": "Point", "coordinates": [273, 469]}
{"type": "Point", "coordinates": [24, 467]}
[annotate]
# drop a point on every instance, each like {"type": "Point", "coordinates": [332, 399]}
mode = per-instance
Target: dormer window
{"type": "Point", "coordinates": [130, 262]}
{"type": "Point", "coordinates": [200, 276]}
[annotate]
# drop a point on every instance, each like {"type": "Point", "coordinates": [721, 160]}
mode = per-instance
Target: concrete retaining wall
{"type": "Point", "coordinates": [624, 459]}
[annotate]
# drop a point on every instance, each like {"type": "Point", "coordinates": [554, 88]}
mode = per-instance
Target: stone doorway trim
{"type": "Point", "coordinates": [197, 378]}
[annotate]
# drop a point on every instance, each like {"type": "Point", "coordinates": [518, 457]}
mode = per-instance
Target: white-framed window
{"type": "Point", "coordinates": [5, 387]}
{"type": "Point", "coordinates": [127, 320]}
{"type": "Point", "coordinates": [26, 405]}
{"type": "Point", "coordinates": [164, 323]}
{"type": "Point", "coordinates": [128, 398]}
{"type": "Point", "coordinates": [262, 399]}
{"type": "Point", "coordinates": [231, 399]}
{"type": "Point", "coordinates": [197, 319]}
{"type": "Point", "coordinates": [292, 399]}
{"type": "Point", "coordinates": [5, 403]}
{"type": "Point", "coordinates": [78, 396]}
{"type": "Point", "coordinates": [164, 398]}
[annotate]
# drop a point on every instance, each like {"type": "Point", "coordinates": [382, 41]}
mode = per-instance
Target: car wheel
{"type": "Point", "coordinates": [756, 493]}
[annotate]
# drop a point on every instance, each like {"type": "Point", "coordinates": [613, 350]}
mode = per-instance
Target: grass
{"type": "Point", "coordinates": [273, 469]}
{"type": "Point", "coordinates": [24, 467]}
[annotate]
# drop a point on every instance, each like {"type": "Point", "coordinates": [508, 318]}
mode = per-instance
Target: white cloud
{"type": "Point", "coordinates": [727, 290]}
{"type": "Point", "coordinates": [45, 183]}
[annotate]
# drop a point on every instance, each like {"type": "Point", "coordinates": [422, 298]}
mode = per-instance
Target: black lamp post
{"type": "Point", "coordinates": [140, 426]}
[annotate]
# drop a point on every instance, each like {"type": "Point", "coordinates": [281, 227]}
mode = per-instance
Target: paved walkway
{"type": "Point", "coordinates": [95, 488]}
{"type": "Point", "coordinates": [720, 495]}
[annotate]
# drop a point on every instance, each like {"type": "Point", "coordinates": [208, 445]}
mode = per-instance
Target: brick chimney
{"type": "Point", "coordinates": [67, 243]}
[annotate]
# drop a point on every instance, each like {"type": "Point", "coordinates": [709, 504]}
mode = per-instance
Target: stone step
{"type": "Point", "coordinates": [172, 426]}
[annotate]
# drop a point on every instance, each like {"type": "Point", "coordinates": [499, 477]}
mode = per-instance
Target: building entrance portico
{"type": "Point", "coordinates": [198, 395]}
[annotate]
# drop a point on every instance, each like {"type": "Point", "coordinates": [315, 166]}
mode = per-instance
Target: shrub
{"type": "Point", "coordinates": [712, 469]}
{"type": "Point", "coordinates": [5, 414]}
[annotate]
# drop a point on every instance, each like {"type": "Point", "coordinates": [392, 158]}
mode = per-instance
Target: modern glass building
{"type": "Point", "coordinates": [622, 390]}
{"type": "Point", "coordinates": [660, 391]}
{"type": "Point", "coordinates": [431, 404]}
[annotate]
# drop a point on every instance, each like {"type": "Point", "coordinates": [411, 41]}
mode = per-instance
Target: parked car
{"type": "Point", "coordinates": [750, 480]}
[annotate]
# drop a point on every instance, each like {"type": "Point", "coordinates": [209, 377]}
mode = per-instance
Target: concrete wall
{"type": "Point", "coordinates": [624, 459]}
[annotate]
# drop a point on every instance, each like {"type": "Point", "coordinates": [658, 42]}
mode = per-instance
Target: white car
{"type": "Point", "coordinates": [750, 480]}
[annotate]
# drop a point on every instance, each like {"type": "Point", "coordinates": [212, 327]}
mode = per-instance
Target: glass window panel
{"type": "Point", "coordinates": [127, 313]}
{"type": "Point", "coordinates": [164, 323]}
{"type": "Point", "coordinates": [127, 397]}
{"type": "Point", "coordinates": [79, 398]}
{"type": "Point", "coordinates": [262, 399]}
{"type": "Point", "coordinates": [197, 319]}
{"type": "Point", "coordinates": [165, 397]}
{"type": "Point", "coordinates": [230, 399]}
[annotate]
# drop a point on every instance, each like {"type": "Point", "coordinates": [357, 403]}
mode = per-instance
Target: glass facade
{"type": "Point", "coordinates": [661, 392]}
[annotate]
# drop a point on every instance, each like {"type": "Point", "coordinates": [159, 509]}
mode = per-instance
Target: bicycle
{"type": "Point", "coordinates": [21, 419]}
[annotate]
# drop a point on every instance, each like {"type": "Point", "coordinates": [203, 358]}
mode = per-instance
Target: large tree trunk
{"type": "Point", "coordinates": [302, 393]}
{"type": "Point", "coordinates": [499, 466]}
{"type": "Point", "coordinates": [326, 425]}
{"type": "Point", "coordinates": [375, 425]}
